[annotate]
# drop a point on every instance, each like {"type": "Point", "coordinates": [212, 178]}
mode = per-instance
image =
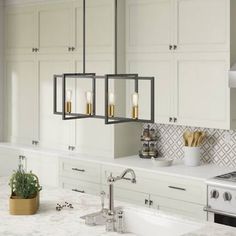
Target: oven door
{"type": "Point", "coordinates": [220, 217]}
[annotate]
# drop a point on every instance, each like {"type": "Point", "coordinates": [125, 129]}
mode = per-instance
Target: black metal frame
{"type": "Point", "coordinates": [93, 77]}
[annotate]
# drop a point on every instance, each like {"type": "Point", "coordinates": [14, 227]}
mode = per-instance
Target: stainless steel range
{"type": "Point", "coordinates": [221, 199]}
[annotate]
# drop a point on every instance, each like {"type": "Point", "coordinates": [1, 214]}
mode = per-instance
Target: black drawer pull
{"type": "Point", "coordinates": [78, 191]}
{"type": "Point", "coordinates": [76, 169]}
{"type": "Point", "coordinates": [177, 188]}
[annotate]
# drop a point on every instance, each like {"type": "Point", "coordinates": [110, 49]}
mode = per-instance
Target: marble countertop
{"type": "Point", "coordinates": [67, 222]}
{"type": "Point", "coordinates": [202, 172]}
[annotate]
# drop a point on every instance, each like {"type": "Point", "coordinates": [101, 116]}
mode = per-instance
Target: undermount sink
{"type": "Point", "coordinates": [144, 222]}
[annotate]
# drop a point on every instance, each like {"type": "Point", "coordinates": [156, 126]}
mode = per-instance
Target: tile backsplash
{"type": "Point", "coordinates": [219, 146]}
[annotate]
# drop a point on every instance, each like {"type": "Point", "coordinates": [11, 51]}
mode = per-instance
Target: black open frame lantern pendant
{"type": "Point", "coordinates": [109, 116]}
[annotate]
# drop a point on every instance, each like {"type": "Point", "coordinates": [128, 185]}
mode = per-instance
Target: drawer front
{"type": "Point", "coordinates": [178, 207]}
{"type": "Point", "coordinates": [132, 197]}
{"type": "Point", "coordinates": [80, 170]}
{"type": "Point", "coordinates": [80, 186]}
{"type": "Point", "coordinates": [162, 185]}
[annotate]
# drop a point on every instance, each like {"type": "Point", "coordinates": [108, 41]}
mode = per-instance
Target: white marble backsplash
{"type": "Point", "coordinates": [219, 146]}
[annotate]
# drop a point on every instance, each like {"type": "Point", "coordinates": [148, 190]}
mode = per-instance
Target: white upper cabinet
{"type": "Point", "coordinates": [202, 96]}
{"type": "Point", "coordinates": [56, 28]}
{"type": "Point", "coordinates": [22, 99]}
{"type": "Point", "coordinates": [54, 132]}
{"type": "Point", "coordinates": [100, 20]}
{"type": "Point", "coordinates": [202, 25]}
{"type": "Point", "coordinates": [149, 26]}
{"type": "Point", "coordinates": [20, 29]}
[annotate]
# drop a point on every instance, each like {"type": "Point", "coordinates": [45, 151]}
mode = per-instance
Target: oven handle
{"type": "Point", "coordinates": [209, 209]}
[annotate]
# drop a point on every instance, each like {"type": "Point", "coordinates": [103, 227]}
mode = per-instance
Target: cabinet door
{"type": "Point", "coordinates": [21, 29]}
{"type": "Point", "coordinates": [54, 132]}
{"type": "Point", "coordinates": [202, 25]}
{"type": "Point", "coordinates": [22, 99]}
{"type": "Point", "coordinates": [124, 195]}
{"type": "Point", "coordinates": [100, 26]}
{"type": "Point", "coordinates": [149, 26]}
{"type": "Point", "coordinates": [202, 92]}
{"type": "Point", "coordinates": [159, 66]}
{"type": "Point", "coordinates": [92, 135]}
{"type": "Point", "coordinates": [56, 31]}
{"type": "Point", "coordinates": [178, 207]}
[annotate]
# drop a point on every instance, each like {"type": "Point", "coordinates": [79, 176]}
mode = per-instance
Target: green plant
{"type": "Point", "coordinates": [24, 185]}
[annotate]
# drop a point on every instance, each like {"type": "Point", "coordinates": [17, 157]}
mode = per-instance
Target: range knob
{"type": "Point", "coordinates": [214, 194]}
{"type": "Point", "coordinates": [227, 196]}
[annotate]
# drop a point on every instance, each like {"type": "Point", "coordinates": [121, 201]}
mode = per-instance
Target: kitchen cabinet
{"type": "Point", "coordinates": [188, 90]}
{"type": "Point", "coordinates": [202, 95]}
{"type": "Point", "coordinates": [22, 99]}
{"type": "Point", "coordinates": [202, 25]}
{"type": "Point", "coordinates": [160, 191]}
{"type": "Point", "coordinates": [56, 25]}
{"type": "Point", "coordinates": [177, 25]}
{"type": "Point", "coordinates": [20, 29]}
{"type": "Point", "coordinates": [99, 16]}
{"type": "Point", "coordinates": [80, 176]}
{"type": "Point", "coordinates": [54, 132]}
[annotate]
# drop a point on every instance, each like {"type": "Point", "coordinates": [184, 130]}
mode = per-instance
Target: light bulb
{"type": "Point", "coordinates": [68, 95]}
{"type": "Point", "coordinates": [111, 100]}
{"type": "Point", "coordinates": [135, 98]}
{"type": "Point", "coordinates": [89, 97]}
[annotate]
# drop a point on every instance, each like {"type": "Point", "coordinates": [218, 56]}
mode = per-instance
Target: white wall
{"type": "Point", "coordinates": [1, 66]}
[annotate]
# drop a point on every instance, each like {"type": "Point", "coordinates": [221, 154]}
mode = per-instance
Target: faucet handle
{"type": "Point", "coordinates": [102, 195]}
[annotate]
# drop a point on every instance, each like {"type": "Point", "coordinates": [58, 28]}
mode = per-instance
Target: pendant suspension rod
{"type": "Point", "coordinates": [116, 35]}
{"type": "Point", "coordinates": [84, 36]}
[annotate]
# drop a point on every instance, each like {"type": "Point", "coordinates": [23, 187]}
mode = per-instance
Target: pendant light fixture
{"type": "Point", "coordinates": [110, 116]}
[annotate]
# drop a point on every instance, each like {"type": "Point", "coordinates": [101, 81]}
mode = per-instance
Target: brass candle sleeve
{"type": "Point", "coordinates": [89, 109]}
{"type": "Point", "coordinates": [68, 106]}
{"type": "Point", "coordinates": [111, 110]}
{"type": "Point", "coordinates": [135, 112]}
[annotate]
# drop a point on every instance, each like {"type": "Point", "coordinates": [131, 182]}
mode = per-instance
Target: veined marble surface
{"type": "Point", "coordinates": [49, 222]}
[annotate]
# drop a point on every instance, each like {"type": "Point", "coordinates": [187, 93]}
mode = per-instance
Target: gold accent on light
{"type": "Point", "coordinates": [135, 112]}
{"type": "Point", "coordinates": [89, 109]}
{"type": "Point", "coordinates": [68, 106]}
{"type": "Point", "coordinates": [111, 110]}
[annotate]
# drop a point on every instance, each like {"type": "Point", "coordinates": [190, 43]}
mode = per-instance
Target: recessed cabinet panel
{"type": "Point", "coordinates": [54, 132]}
{"type": "Point", "coordinates": [22, 100]}
{"type": "Point", "coordinates": [202, 90]}
{"type": "Point", "coordinates": [99, 26]}
{"type": "Point", "coordinates": [159, 66]}
{"type": "Point", "coordinates": [56, 28]}
{"type": "Point", "coordinates": [149, 25]}
{"type": "Point", "coordinates": [21, 30]}
{"type": "Point", "coordinates": [202, 25]}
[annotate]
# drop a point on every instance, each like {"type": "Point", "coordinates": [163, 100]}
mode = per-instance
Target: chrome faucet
{"type": "Point", "coordinates": [110, 222]}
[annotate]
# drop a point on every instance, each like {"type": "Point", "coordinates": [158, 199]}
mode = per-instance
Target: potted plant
{"type": "Point", "coordinates": [25, 188]}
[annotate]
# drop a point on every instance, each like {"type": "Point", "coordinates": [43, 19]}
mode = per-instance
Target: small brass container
{"type": "Point", "coordinates": [89, 109]}
{"type": "Point", "coordinates": [111, 111]}
{"type": "Point", "coordinates": [68, 107]}
{"type": "Point", "coordinates": [135, 112]}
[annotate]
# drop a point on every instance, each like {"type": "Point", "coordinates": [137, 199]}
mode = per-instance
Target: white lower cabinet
{"type": "Point", "coordinates": [80, 176]}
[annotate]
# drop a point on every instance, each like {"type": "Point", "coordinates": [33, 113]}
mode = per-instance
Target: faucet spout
{"type": "Point", "coordinates": [128, 171]}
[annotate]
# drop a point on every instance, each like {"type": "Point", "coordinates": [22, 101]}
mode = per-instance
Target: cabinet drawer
{"type": "Point", "coordinates": [81, 170]}
{"type": "Point", "coordinates": [162, 185]}
{"type": "Point", "coordinates": [125, 195]}
{"type": "Point", "coordinates": [178, 207]}
{"type": "Point", "coordinates": [80, 186]}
